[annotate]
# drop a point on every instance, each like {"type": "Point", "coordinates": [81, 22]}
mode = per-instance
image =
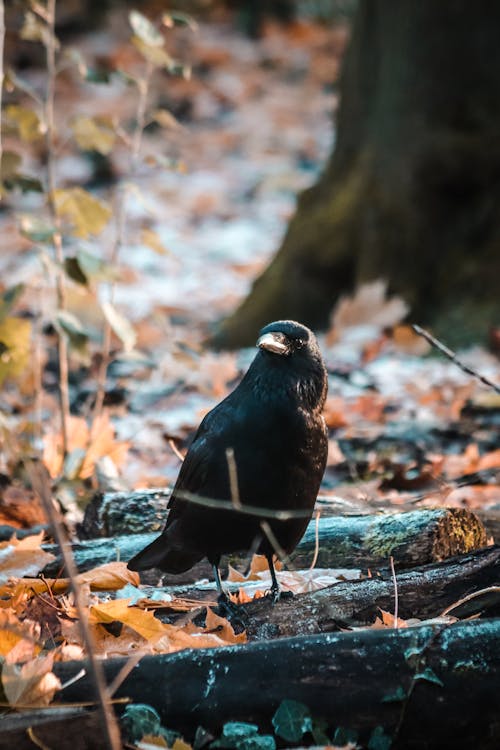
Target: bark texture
{"type": "Point", "coordinates": [427, 687]}
{"type": "Point", "coordinates": [412, 189]}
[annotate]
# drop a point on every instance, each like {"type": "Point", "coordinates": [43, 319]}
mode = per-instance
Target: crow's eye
{"type": "Point", "coordinates": [299, 343]}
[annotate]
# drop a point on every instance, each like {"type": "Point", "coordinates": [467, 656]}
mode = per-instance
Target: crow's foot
{"type": "Point", "coordinates": [235, 613]}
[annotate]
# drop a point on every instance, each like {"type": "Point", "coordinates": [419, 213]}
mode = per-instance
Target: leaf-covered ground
{"type": "Point", "coordinates": [406, 428]}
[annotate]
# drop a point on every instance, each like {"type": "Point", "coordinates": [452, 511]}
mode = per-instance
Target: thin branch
{"type": "Point", "coordinates": [120, 200]}
{"type": "Point", "coordinates": [62, 347]}
{"type": "Point", "coordinates": [470, 597]}
{"type": "Point", "coordinates": [396, 598]}
{"type": "Point", "coordinates": [2, 41]}
{"type": "Point", "coordinates": [454, 358]}
{"type": "Point", "coordinates": [233, 478]}
{"type": "Point", "coordinates": [316, 540]}
{"type": "Point", "coordinates": [40, 483]}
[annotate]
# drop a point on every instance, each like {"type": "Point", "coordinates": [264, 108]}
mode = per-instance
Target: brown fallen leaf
{"type": "Point", "coordinates": [108, 577]}
{"type": "Point", "coordinates": [32, 684]}
{"type": "Point", "coordinates": [20, 557]}
{"type": "Point", "coordinates": [18, 639]}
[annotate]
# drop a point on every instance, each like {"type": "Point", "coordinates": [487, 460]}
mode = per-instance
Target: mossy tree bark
{"type": "Point", "coordinates": [412, 189]}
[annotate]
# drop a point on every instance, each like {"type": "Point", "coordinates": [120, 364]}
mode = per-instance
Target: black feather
{"type": "Point", "coordinates": [273, 423]}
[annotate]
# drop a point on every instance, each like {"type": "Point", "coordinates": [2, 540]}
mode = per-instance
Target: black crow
{"type": "Point", "coordinates": [264, 446]}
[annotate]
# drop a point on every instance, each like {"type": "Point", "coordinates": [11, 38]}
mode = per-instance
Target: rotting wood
{"type": "Point", "coordinates": [353, 680]}
{"type": "Point", "coordinates": [412, 538]}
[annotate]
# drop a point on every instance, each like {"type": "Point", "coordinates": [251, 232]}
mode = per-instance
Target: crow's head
{"type": "Point", "coordinates": [286, 337]}
{"type": "Point", "coordinates": [292, 349]}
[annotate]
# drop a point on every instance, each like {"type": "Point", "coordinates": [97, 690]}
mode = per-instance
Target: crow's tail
{"type": "Point", "coordinates": [159, 554]}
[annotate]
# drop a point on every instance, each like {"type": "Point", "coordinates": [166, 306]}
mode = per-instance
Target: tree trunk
{"type": "Point", "coordinates": [412, 538]}
{"type": "Point", "coordinates": [359, 680]}
{"type": "Point", "coordinates": [412, 189]}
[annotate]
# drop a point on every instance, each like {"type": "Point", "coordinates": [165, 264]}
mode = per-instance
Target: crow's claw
{"type": "Point", "coordinates": [235, 613]}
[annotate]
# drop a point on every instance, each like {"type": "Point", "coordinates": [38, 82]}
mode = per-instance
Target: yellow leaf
{"type": "Point", "coordinates": [18, 640]}
{"type": "Point", "coordinates": [94, 133]}
{"type": "Point", "coordinates": [150, 741]}
{"type": "Point", "coordinates": [157, 56]}
{"type": "Point", "coordinates": [142, 622]}
{"type": "Point", "coordinates": [87, 214]}
{"type": "Point", "coordinates": [15, 339]}
{"type": "Point", "coordinates": [26, 121]}
{"type": "Point", "coordinates": [152, 240]}
{"type": "Point", "coordinates": [108, 577]}
{"type": "Point", "coordinates": [166, 119]}
{"type": "Point", "coordinates": [181, 745]}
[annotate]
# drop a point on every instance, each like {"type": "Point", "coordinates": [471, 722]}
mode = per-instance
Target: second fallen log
{"type": "Point", "coordinates": [411, 538]}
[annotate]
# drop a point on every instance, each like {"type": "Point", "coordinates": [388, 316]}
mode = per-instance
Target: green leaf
{"type": "Point", "coordinates": [94, 133]}
{"type": "Point", "coordinates": [120, 325]}
{"type": "Point", "coordinates": [233, 733]}
{"type": "Point", "coordinates": [145, 30]}
{"type": "Point", "coordinates": [8, 299]}
{"type": "Point", "coordinates": [379, 740]}
{"type": "Point", "coordinates": [25, 183]}
{"type": "Point", "coordinates": [11, 161]}
{"type": "Point", "coordinates": [87, 214]}
{"type": "Point", "coordinates": [318, 731]}
{"type": "Point", "coordinates": [398, 695]}
{"type": "Point", "coordinates": [15, 338]}
{"type": "Point", "coordinates": [26, 122]}
{"type": "Point", "coordinates": [430, 676]}
{"type": "Point", "coordinates": [96, 269]}
{"type": "Point", "coordinates": [35, 229]}
{"type": "Point", "coordinates": [292, 720]}
{"type": "Point", "coordinates": [139, 719]}
{"type": "Point", "coordinates": [76, 334]}
{"type": "Point", "coordinates": [257, 742]}
{"type": "Point", "coordinates": [343, 736]}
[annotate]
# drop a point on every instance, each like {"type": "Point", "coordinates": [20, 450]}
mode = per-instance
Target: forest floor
{"type": "Point", "coordinates": [408, 427]}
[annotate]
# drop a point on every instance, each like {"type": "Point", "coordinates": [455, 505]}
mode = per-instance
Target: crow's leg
{"type": "Point", "coordinates": [276, 592]}
{"type": "Point", "coordinates": [233, 612]}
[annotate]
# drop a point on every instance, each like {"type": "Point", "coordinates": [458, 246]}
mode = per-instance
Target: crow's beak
{"type": "Point", "coordinates": [274, 342]}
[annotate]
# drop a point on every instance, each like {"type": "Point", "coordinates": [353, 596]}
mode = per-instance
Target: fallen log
{"type": "Point", "coordinates": [423, 592]}
{"type": "Point", "coordinates": [426, 687]}
{"type": "Point", "coordinates": [412, 538]}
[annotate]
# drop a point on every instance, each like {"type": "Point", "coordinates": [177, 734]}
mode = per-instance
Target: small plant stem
{"type": "Point", "coordinates": [62, 348]}
{"type": "Point", "coordinates": [2, 40]}
{"type": "Point", "coordinates": [396, 597]}
{"type": "Point", "coordinates": [454, 358]}
{"type": "Point", "coordinates": [135, 149]}
{"type": "Point", "coordinates": [40, 483]}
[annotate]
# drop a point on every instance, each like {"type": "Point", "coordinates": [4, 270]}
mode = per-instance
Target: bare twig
{"type": "Point", "coordinates": [175, 450]}
{"type": "Point", "coordinates": [396, 599]}
{"type": "Point", "coordinates": [454, 358]}
{"type": "Point", "coordinates": [2, 40]}
{"type": "Point", "coordinates": [233, 478]}
{"type": "Point", "coordinates": [143, 86]}
{"type": "Point", "coordinates": [50, 138]}
{"type": "Point", "coordinates": [40, 484]}
{"type": "Point", "coordinates": [316, 540]}
{"type": "Point", "coordinates": [470, 597]}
